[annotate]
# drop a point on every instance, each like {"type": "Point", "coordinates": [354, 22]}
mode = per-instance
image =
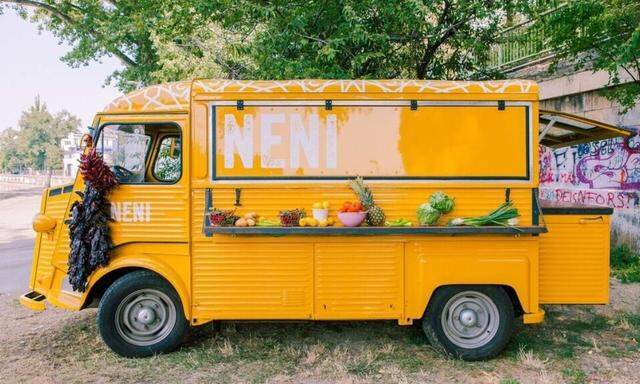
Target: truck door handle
{"type": "Point", "coordinates": [587, 220]}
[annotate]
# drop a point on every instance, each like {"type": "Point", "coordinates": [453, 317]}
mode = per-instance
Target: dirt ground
{"type": "Point", "coordinates": [576, 344]}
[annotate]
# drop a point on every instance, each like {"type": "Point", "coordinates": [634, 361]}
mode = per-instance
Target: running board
{"type": "Point", "coordinates": [33, 300]}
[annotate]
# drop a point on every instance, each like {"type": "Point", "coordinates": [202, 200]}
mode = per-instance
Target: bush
{"type": "Point", "coordinates": [625, 264]}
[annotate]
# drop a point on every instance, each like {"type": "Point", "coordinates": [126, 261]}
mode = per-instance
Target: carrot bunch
{"type": "Point", "coordinates": [349, 206]}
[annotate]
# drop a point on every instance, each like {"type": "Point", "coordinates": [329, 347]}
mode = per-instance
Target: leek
{"type": "Point", "coordinates": [505, 215]}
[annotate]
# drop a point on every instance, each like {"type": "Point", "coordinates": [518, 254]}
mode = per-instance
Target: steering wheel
{"type": "Point", "coordinates": [122, 173]}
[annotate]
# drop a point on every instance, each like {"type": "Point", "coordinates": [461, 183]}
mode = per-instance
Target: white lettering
{"type": "Point", "coordinates": [235, 139]}
{"type": "Point", "coordinates": [268, 140]}
{"type": "Point", "coordinates": [138, 212]}
{"type": "Point", "coordinates": [304, 141]}
{"type": "Point", "coordinates": [125, 212]}
{"type": "Point", "coordinates": [309, 142]}
{"type": "Point", "coordinates": [332, 142]}
{"type": "Point", "coordinates": [131, 212]}
{"type": "Point", "coordinates": [115, 211]}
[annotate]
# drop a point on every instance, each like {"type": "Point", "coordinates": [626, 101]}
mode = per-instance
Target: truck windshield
{"type": "Point", "coordinates": [125, 148]}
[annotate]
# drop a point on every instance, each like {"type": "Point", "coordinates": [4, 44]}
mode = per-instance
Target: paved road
{"type": "Point", "coordinates": [16, 241]}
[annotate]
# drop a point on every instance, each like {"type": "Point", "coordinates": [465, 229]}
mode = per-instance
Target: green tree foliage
{"type": "Point", "coordinates": [601, 35]}
{"type": "Point", "coordinates": [367, 38]}
{"type": "Point", "coordinates": [168, 165]}
{"type": "Point", "coordinates": [177, 39]}
{"type": "Point", "coordinates": [36, 142]}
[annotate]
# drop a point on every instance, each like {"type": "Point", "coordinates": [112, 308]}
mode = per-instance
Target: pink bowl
{"type": "Point", "coordinates": [351, 219]}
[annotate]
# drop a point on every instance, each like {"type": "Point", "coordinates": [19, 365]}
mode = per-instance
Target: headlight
{"type": "Point", "coordinates": [43, 223]}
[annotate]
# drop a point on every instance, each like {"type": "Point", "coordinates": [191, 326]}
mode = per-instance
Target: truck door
{"type": "Point", "coordinates": [147, 155]}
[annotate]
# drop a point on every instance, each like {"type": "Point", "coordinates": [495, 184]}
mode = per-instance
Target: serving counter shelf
{"type": "Point", "coordinates": [363, 231]}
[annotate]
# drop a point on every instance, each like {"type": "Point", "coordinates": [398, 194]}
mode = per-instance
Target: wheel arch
{"type": "Point", "coordinates": [510, 291]}
{"type": "Point", "coordinates": [104, 277]}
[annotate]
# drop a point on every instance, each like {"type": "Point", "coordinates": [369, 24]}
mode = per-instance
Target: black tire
{"type": "Point", "coordinates": [135, 303]}
{"type": "Point", "coordinates": [443, 332]}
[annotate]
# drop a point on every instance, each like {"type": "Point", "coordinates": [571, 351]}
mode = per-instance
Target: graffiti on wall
{"type": "Point", "coordinates": [605, 173]}
{"type": "Point", "coordinates": [600, 197]}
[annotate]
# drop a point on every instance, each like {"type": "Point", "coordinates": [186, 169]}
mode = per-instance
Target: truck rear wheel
{"type": "Point", "coordinates": [469, 322]}
{"type": "Point", "coordinates": [141, 315]}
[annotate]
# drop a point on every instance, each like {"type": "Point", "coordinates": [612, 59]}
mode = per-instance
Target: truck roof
{"type": "Point", "coordinates": [175, 96]}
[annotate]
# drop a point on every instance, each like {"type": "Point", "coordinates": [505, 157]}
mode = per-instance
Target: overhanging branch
{"type": "Point", "coordinates": [123, 57]}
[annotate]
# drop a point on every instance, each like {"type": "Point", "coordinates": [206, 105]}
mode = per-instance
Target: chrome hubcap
{"type": "Point", "coordinates": [470, 319]}
{"type": "Point", "coordinates": [145, 317]}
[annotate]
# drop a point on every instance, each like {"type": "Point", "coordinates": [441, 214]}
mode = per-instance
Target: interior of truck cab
{"type": "Point", "coordinates": [142, 153]}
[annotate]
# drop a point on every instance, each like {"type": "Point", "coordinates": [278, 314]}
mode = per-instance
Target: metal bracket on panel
{"type": "Point", "coordinates": [240, 105]}
{"type": "Point", "coordinates": [238, 192]}
{"type": "Point", "coordinates": [328, 105]}
{"type": "Point", "coordinates": [414, 105]}
{"type": "Point", "coordinates": [535, 218]}
{"type": "Point", "coordinates": [208, 205]}
{"type": "Point", "coordinates": [546, 129]}
{"type": "Point", "coordinates": [208, 200]}
{"type": "Point", "coordinates": [501, 105]}
{"type": "Point", "coordinates": [507, 195]}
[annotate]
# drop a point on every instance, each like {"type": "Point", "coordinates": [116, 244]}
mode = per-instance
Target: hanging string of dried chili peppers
{"type": "Point", "coordinates": [89, 222]}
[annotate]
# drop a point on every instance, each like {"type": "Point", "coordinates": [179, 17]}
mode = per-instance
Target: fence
{"type": "Point", "coordinates": [35, 179]}
{"type": "Point", "coordinates": [524, 42]}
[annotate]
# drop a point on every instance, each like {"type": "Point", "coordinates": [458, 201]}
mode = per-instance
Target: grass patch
{"type": "Point", "coordinates": [625, 264]}
{"type": "Point", "coordinates": [574, 376]}
{"type": "Point", "coordinates": [561, 335]}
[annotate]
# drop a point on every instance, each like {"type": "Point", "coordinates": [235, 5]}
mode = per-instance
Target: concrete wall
{"type": "Point", "coordinates": [578, 92]}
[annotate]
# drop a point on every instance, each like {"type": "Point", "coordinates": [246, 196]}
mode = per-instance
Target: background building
{"type": "Point", "coordinates": [71, 153]}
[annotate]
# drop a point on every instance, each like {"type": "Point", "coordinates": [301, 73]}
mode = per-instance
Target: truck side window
{"type": "Point", "coordinates": [168, 164]}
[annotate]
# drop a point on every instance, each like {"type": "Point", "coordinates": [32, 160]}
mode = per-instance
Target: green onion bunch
{"type": "Point", "coordinates": [505, 215]}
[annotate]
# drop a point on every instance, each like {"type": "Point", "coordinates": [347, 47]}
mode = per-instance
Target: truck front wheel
{"type": "Point", "coordinates": [469, 322]}
{"type": "Point", "coordinates": [141, 315]}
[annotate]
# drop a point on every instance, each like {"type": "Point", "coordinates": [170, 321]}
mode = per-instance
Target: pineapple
{"type": "Point", "coordinates": [375, 214]}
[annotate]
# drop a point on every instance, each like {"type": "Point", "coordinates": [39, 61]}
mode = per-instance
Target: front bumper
{"type": "Point", "coordinates": [33, 300]}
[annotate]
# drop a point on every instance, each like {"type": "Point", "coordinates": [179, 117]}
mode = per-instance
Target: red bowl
{"type": "Point", "coordinates": [351, 219]}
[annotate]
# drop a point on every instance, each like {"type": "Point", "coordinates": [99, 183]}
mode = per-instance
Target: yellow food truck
{"type": "Point", "coordinates": [185, 152]}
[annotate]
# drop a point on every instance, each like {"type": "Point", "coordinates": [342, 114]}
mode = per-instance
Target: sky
{"type": "Point", "coordinates": [30, 65]}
